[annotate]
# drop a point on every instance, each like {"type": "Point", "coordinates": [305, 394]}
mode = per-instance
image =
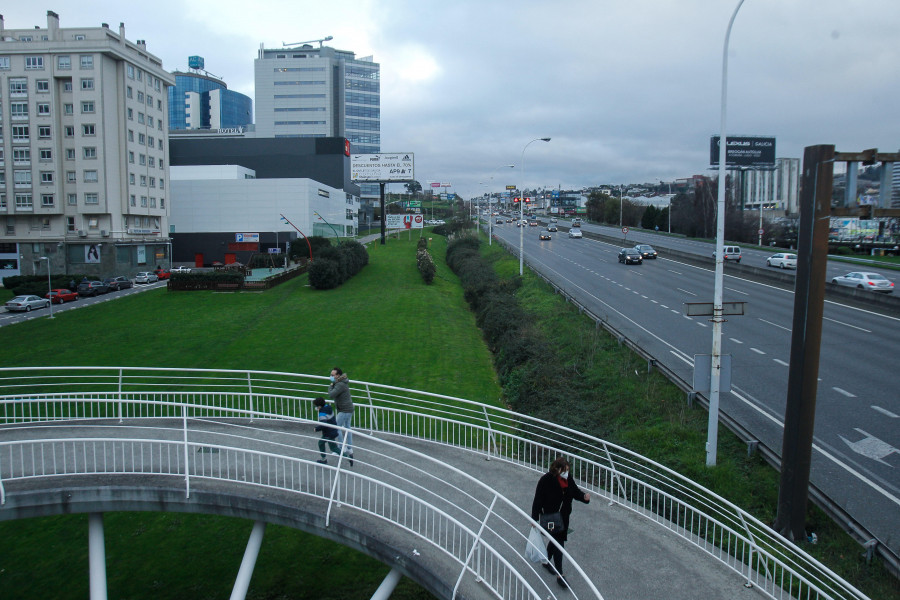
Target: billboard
{"type": "Point", "coordinates": [404, 221]}
{"type": "Point", "coordinates": [744, 151]}
{"type": "Point", "coordinates": [382, 167]}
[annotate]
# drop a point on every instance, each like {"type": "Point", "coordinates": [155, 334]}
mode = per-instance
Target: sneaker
{"type": "Point", "coordinates": [562, 582]}
{"type": "Point", "coordinates": [322, 461]}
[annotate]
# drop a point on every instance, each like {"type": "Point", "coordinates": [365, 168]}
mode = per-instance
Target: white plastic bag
{"type": "Point", "coordinates": [536, 547]}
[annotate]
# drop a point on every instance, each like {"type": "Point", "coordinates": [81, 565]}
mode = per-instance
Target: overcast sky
{"type": "Point", "coordinates": [628, 90]}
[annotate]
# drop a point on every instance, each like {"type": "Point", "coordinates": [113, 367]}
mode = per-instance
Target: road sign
{"type": "Point", "coordinates": [761, 231]}
{"type": "Point", "coordinates": [703, 370]}
{"type": "Point", "coordinates": [706, 309]}
{"type": "Point", "coordinates": [510, 187]}
{"type": "Point", "coordinates": [625, 230]}
{"type": "Point", "coordinates": [246, 237]}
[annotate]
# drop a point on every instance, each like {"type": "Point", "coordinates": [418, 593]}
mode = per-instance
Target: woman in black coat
{"type": "Point", "coordinates": [554, 493]}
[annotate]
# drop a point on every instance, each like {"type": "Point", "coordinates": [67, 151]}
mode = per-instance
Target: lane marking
{"type": "Point", "coordinates": [844, 392]}
{"type": "Point", "coordinates": [654, 302]}
{"type": "Point", "coordinates": [678, 355]}
{"type": "Point", "coordinates": [757, 351]}
{"type": "Point", "coordinates": [847, 324]}
{"type": "Point", "coordinates": [736, 291]}
{"type": "Point", "coordinates": [886, 412]}
{"type": "Point", "coordinates": [702, 324]}
{"type": "Point", "coordinates": [686, 292]}
{"type": "Point", "coordinates": [736, 341]}
{"type": "Point", "coordinates": [775, 324]}
{"type": "Point", "coordinates": [663, 306]}
{"type": "Point", "coordinates": [674, 271]}
{"type": "Point", "coordinates": [781, 362]}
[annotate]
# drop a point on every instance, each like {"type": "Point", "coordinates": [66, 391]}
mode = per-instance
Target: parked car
{"type": "Point", "coordinates": [875, 282]}
{"type": "Point", "coordinates": [181, 270]}
{"type": "Point", "coordinates": [545, 235]}
{"type": "Point", "coordinates": [730, 253]}
{"type": "Point", "coordinates": [552, 227]}
{"type": "Point", "coordinates": [783, 260]}
{"type": "Point", "coordinates": [575, 233]}
{"type": "Point", "coordinates": [630, 256]}
{"type": "Point", "coordinates": [162, 273]}
{"type": "Point", "coordinates": [61, 295]}
{"type": "Point", "coordinates": [118, 283]}
{"type": "Point", "coordinates": [146, 277]}
{"type": "Point", "coordinates": [92, 288]}
{"type": "Point", "coordinates": [26, 303]}
{"type": "Point", "coordinates": [646, 250]}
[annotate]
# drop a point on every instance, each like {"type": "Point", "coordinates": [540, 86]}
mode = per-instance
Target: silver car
{"type": "Point", "coordinates": [26, 303]}
{"type": "Point", "coordinates": [575, 233]}
{"type": "Point", "coordinates": [875, 282]}
{"type": "Point", "coordinates": [146, 277]}
{"type": "Point", "coordinates": [783, 260]}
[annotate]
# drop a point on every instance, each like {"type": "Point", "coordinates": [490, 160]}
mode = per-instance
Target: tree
{"type": "Point", "coordinates": [412, 187]}
{"type": "Point", "coordinates": [648, 220]}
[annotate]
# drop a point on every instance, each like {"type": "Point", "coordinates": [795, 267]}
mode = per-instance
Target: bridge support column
{"type": "Point", "coordinates": [97, 556]}
{"type": "Point", "coordinates": [387, 586]}
{"type": "Point", "coordinates": [251, 552]}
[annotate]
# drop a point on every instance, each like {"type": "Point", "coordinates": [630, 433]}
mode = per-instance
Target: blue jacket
{"type": "Point", "coordinates": [326, 420]}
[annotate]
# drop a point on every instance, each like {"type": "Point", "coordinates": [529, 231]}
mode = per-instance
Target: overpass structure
{"type": "Point", "coordinates": [440, 490]}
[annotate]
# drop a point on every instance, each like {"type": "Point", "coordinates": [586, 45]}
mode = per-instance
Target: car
{"type": "Point", "coordinates": [576, 222]}
{"type": "Point", "coordinates": [181, 269]}
{"type": "Point", "coordinates": [508, 220]}
{"type": "Point", "coordinates": [146, 277]}
{"type": "Point", "coordinates": [875, 282]}
{"type": "Point", "coordinates": [552, 227]}
{"type": "Point", "coordinates": [730, 253]}
{"type": "Point", "coordinates": [532, 223]}
{"type": "Point", "coordinates": [575, 233]}
{"type": "Point", "coordinates": [554, 220]}
{"type": "Point", "coordinates": [26, 303]}
{"type": "Point", "coordinates": [545, 235]}
{"type": "Point", "coordinates": [61, 295]}
{"type": "Point", "coordinates": [92, 288]}
{"type": "Point", "coordinates": [162, 273]}
{"type": "Point", "coordinates": [646, 250]}
{"type": "Point", "coordinates": [783, 260]}
{"type": "Point", "coordinates": [118, 283]}
{"type": "Point", "coordinates": [630, 256]}
{"type": "Point", "coordinates": [500, 221]}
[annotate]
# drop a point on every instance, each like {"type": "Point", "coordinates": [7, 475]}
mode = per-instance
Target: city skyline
{"type": "Point", "coordinates": [627, 93]}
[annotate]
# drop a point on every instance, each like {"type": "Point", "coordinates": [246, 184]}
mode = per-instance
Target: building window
{"type": "Point", "coordinates": [21, 156]}
{"type": "Point", "coordinates": [91, 198]}
{"type": "Point", "coordinates": [2, 200]}
{"type": "Point", "coordinates": [87, 83]}
{"type": "Point", "coordinates": [140, 75]}
{"type": "Point", "coordinates": [90, 152]}
{"type": "Point", "coordinates": [131, 178]}
{"type": "Point", "coordinates": [143, 181]}
{"type": "Point", "coordinates": [151, 162]}
{"type": "Point", "coordinates": [87, 107]}
{"type": "Point", "coordinates": [70, 153]}
{"type": "Point", "coordinates": [150, 141]}
{"type": "Point", "coordinates": [64, 62]}
{"type": "Point", "coordinates": [46, 154]}
{"type": "Point", "coordinates": [140, 97]}
{"type": "Point", "coordinates": [24, 202]}
{"type": "Point", "coordinates": [72, 199]}
{"type": "Point", "coordinates": [93, 223]}
{"type": "Point", "coordinates": [79, 37]}
{"type": "Point", "coordinates": [90, 176]}
{"type": "Point", "coordinates": [142, 139]}
{"type": "Point", "coordinates": [18, 87]}
{"type": "Point", "coordinates": [22, 177]}
{"type": "Point", "coordinates": [130, 135]}
{"type": "Point", "coordinates": [44, 131]}
{"type": "Point", "coordinates": [47, 200]}
{"type": "Point", "coordinates": [68, 109]}
{"type": "Point", "coordinates": [162, 203]}
{"type": "Point", "coordinates": [88, 129]}
{"type": "Point", "coordinates": [153, 182]}
{"type": "Point", "coordinates": [149, 100]}
{"type": "Point", "coordinates": [152, 202]}
{"type": "Point", "coordinates": [20, 133]}
{"type": "Point", "coordinates": [149, 121]}
{"type": "Point", "coordinates": [46, 177]}
{"type": "Point", "coordinates": [132, 200]}
{"type": "Point", "coordinates": [43, 109]}
{"type": "Point", "coordinates": [130, 114]}
{"type": "Point", "coordinates": [70, 131]}
{"type": "Point", "coordinates": [129, 93]}
{"type": "Point", "coordinates": [87, 61]}
{"type": "Point", "coordinates": [143, 201]}
{"type": "Point", "coordinates": [162, 183]}
{"type": "Point", "coordinates": [34, 62]}
{"type": "Point", "coordinates": [70, 224]}
{"type": "Point", "coordinates": [131, 157]}
{"type": "Point", "coordinates": [70, 177]}
{"type": "Point", "coordinates": [159, 107]}
{"type": "Point", "coordinates": [42, 85]}
{"type": "Point", "coordinates": [4, 63]}
{"type": "Point", "coordinates": [141, 118]}
{"type": "Point", "coordinates": [142, 159]}
{"type": "Point", "coordinates": [10, 226]}
{"type": "Point", "coordinates": [18, 110]}
{"type": "Point", "coordinates": [67, 85]}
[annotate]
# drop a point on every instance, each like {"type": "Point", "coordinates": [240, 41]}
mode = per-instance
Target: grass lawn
{"type": "Point", "coordinates": [384, 325]}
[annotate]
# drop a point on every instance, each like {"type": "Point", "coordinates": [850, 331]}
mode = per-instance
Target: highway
{"type": "Point", "coordinates": [856, 457]}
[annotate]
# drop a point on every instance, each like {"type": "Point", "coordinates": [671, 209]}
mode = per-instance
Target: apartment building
{"type": "Point", "coordinates": [83, 152]}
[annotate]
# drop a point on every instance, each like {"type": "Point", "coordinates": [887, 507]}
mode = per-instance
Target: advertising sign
{"type": "Point", "coordinates": [744, 151]}
{"type": "Point", "coordinates": [382, 167]}
{"type": "Point", "coordinates": [247, 237]}
{"type": "Point", "coordinates": [92, 253]}
{"type": "Point", "coordinates": [404, 222]}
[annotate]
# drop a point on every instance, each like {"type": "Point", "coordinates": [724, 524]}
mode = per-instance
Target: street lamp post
{"type": "Point", "coordinates": [49, 285]}
{"type": "Point", "coordinates": [286, 220]}
{"type": "Point", "coordinates": [712, 433]}
{"type": "Point", "coordinates": [522, 208]}
{"type": "Point", "coordinates": [333, 230]}
{"type": "Point", "coordinates": [491, 216]}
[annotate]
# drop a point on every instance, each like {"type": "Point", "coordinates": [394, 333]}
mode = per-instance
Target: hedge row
{"type": "Point", "coordinates": [335, 265]}
{"type": "Point", "coordinates": [300, 249]}
{"type": "Point", "coordinates": [21, 285]}
{"type": "Point", "coordinates": [528, 369]}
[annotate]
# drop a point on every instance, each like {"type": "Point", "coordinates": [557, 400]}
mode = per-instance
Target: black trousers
{"type": "Point", "coordinates": [555, 554]}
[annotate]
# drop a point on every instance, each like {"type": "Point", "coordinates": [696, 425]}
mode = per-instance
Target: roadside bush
{"type": "Point", "coordinates": [840, 250]}
{"type": "Point", "coordinates": [325, 274]}
{"type": "Point", "coordinates": [336, 264]}
{"type": "Point", "coordinates": [37, 284]}
{"type": "Point", "coordinates": [422, 244]}
{"type": "Point", "coordinates": [300, 250]}
{"type": "Point", "coordinates": [425, 264]}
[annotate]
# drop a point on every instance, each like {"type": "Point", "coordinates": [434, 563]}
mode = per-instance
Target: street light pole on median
{"type": "Point", "coordinates": [49, 285]}
{"type": "Point", "coordinates": [522, 208]}
{"type": "Point", "coordinates": [491, 216]}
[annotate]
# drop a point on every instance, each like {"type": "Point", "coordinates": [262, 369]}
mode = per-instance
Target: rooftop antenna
{"type": "Point", "coordinates": [324, 39]}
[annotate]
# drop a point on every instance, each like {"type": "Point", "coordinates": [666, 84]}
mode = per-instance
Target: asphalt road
{"type": "Point", "coordinates": [856, 457]}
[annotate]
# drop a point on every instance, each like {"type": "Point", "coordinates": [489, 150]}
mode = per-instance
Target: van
{"type": "Point", "coordinates": [730, 253]}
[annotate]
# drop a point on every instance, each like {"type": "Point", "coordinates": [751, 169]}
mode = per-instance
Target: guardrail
{"type": "Point", "coordinates": [724, 531]}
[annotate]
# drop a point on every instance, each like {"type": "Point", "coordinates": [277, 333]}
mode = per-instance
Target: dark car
{"type": "Point", "coordinates": [646, 250]}
{"type": "Point", "coordinates": [118, 283]}
{"type": "Point", "coordinates": [545, 235]}
{"type": "Point", "coordinates": [630, 256]}
{"type": "Point", "coordinates": [92, 288]}
{"type": "Point", "coordinates": [552, 228]}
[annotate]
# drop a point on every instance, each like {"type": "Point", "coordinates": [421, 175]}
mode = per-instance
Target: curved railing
{"type": "Point", "coordinates": [724, 531]}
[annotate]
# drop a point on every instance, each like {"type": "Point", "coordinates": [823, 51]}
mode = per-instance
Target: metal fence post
{"type": "Point", "coordinates": [120, 395]}
{"type": "Point", "coordinates": [493, 441]}
{"type": "Point", "coordinates": [250, 390]}
{"type": "Point", "coordinates": [475, 544]}
{"type": "Point", "coordinates": [187, 474]}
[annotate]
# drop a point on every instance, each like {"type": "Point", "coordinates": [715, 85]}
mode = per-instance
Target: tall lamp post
{"type": "Point", "coordinates": [332, 228]}
{"type": "Point", "coordinates": [286, 220]}
{"type": "Point", "coordinates": [522, 208]}
{"type": "Point", "coordinates": [712, 433]}
{"type": "Point", "coordinates": [491, 216]}
{"type": "Point", "coordinates": [49, 285]}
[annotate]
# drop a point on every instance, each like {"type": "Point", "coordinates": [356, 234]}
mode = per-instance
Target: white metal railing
{"type": "Point", "coordinates": [715, 525]}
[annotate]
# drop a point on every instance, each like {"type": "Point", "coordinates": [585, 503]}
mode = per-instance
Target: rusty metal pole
{"type": "Point", "coordinates": [806, 337]}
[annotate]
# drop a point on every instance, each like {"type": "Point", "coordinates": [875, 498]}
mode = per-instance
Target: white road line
{"type": "Point", "coordinates": [885, 411]}
{"type": "Point", "coordinates": [686, 292]}
{"type": "Point", "coordinates": [847, 324]}
{"type": "Point", "coordinates": [775, 324]}
{"type": "Point", "coordinates": [674, 271]}
{"type": "Point", "coordinates": [679, 356]}
{"type": "Point", "coordinates": [737, 291]}
{"type": "Point", "coordinates": [736, 341]}
{"type": "Point", "coordinates": [702, 324]}
{"type": "Point", "coordinates": [663, 306]}
{"type": "Point", "coordinates": [654, 302]}
{"type": "Point", "coordinates": [781, 362]}
{"type": "Point", "coordinates": [844, 392]}
{"type": "Point", "coordinates": [643, 296]}
{"type": "Point", "coordinates": [757, 351]}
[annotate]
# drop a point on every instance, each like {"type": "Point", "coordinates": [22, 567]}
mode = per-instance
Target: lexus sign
{"type": "Point", "coordinates": [744, 151]}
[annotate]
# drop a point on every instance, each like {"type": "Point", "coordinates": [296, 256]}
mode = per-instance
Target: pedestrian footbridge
{"type": "Point", "coordinates": [440, 489]}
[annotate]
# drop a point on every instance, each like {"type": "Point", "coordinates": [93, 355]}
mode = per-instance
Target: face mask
{"type": "Point", "coordinates": [331, 377]}
{"type": "Point", "coordinates": [564, 474]}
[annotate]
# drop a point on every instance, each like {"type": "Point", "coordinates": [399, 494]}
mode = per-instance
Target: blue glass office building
{"type": "Point", "coordinates": [200, 101]}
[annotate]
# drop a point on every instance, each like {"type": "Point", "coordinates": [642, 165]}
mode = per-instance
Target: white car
{"type": "Point", "coordinates": [181, 270]}
{"type": "Point", "coordinates": [783, 260]}
{"type": "Point", "coordinates": [875, 282]}
{"type": "Point", "coordinates": [146, 277]}
{"type": "Point", "coordinates": [575, 233]}
{"type": "Point", "coordinates": [26, 303]}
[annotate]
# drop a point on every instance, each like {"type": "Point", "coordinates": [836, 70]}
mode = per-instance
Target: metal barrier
{"type": "Point", "coordinates": [724, 531]}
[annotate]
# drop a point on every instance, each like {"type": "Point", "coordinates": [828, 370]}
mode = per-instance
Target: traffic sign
{"type": "Point", "coordinates": [625, 230]}
{"type": "Point", "coordinates": [761, 231]}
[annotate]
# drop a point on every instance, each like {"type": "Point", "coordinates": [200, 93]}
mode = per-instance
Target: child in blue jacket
{"type": "Point", "coordinates": [327, 424]}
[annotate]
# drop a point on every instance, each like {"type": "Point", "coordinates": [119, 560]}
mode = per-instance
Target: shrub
{"type": "Point", "coordinates": [426, 265]}
{"type": "Point", "coordinates": [325, 274]}
{"type": "Point", "coordinates": [300, 250]}
{"type": "Point", "coordinates": [422, 244]}
{"type": "Point", "coordinates": [37, 284]}
{"type": "Point", "coordinates": [339, 263]}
